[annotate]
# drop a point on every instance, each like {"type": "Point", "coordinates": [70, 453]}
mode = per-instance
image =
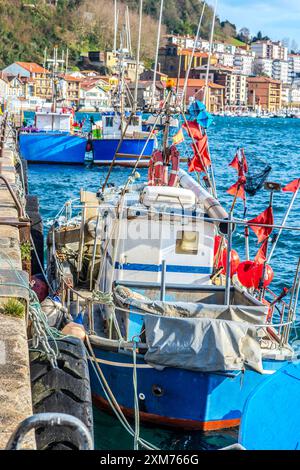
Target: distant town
{"type": "Point", "coordinates": [262, 76]}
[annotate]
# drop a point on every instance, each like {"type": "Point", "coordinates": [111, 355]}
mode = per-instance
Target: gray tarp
{"type": "Point", "coordinates": [201, 344]}
{"type": "Point", "coordinates": [255, 314]}
{"type": "Point", "coordinates": [198, 336]}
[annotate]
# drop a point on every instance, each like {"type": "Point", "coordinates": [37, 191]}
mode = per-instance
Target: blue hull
{"type": "Point", "coordinates": [52, 148]}
{"type": "Point", "coordinates": [178, 397]}
{"type": "Point", "coordinates": [104, 151]}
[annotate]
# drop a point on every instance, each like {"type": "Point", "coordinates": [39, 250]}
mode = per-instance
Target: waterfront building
{"type": "Point", "coordinates": [94, 96]}
{"type": "Point", "coordinates": [145, 88]}
{"type": "Point", "coordinates": [195, 91]}
{"type": "Point", "coordinates": [264, 93]}
{"type": "Point", "coordinates": [70, 86]}
{"type": "Point", "coordinates": [233, 81]}
{"type": "Point", "coordinates": [4, 86]}
{"type": "Point", "coordinates": [263, 66]}
{"type": "Point", "coordinates": [40, 76]}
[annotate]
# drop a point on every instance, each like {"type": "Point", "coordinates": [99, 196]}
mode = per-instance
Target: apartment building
{"type": "Point", "coordinates": [234, 83]}
{"type": "Point", "coordinates": [280, 70]}
{"type": "Point", "coordinates": [263, 66]}
{"type": "Point", "coordinates": [294, 67]}
{"type": "Point", "coordinates": [244, 61]}
{"type": "Point", "coordinates": [267, 49]}
{"type": "Point", "coordinates": [174, 60]}
{"type": "Point", "coordinates": [264, 93]}
{"type": "Point", "coordinates": [70, 87]}
{"type": "Point", "coordinates": [195, 91]}
{"type": "Point", "coordinates": [40, 76]}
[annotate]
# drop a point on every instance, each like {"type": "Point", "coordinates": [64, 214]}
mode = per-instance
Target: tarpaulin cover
{"type": "Point", "coordinates": [198, 336]}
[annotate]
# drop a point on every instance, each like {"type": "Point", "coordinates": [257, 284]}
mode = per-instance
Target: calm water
{"type": "Point", "coordinates": [276, 141]}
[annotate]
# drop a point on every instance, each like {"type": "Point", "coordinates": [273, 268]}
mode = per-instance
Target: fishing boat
{"type": "Point", "coordinates": [120, 137]}
{"type": "Point", "coordinates": [168, 338]}
{"type": "Point", "coordinates": [179, 331]}
{"type": "Point", "coordinates": [54, 137]}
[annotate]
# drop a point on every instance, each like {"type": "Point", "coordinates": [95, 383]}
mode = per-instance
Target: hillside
{"type": "Point", "coordinates": [28, 26]}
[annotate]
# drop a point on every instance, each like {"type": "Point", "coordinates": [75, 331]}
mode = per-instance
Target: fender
{"type": "Point", "coordinates": [158, 167]}
{"type": "Point", "coordinates": [175, 158]}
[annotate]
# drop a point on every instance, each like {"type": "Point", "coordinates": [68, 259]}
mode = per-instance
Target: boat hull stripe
{"type": "Point", "coordinates": [158, 268]}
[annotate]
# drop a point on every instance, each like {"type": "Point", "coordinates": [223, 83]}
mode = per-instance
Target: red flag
{"type": "Point", "coordinates": [261, 255]}
{"type": "Point", "coordinates": [201, 157]}
{"type": "Point", "coordinates": [266, 217]}
{"type": "Point", "coordinates": [235, 162]}
{"type": "Point", "coordinates": [238, 189]}
{"type": "Point", "coordinates": [193, 129]}
{"type": "Point", "coordinates": [293, 186]}
{"type": "Point", "coordinates": [244, 161]}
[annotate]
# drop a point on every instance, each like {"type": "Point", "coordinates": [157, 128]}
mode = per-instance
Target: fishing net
{"type": "Point", "coordinates": [258, 173]}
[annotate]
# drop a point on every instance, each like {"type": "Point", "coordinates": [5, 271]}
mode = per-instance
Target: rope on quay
{"type": "Point", "coordinates": [112, 400]}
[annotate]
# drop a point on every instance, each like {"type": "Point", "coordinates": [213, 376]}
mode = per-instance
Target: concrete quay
{"type": "Point", "coordinates": [15, 387]}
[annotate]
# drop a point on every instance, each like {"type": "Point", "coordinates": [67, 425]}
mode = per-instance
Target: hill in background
{"type": "Point", "coordinates": [27, 27]}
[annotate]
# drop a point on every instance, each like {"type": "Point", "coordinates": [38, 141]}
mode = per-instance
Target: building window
{"type": "Point", "coordinates": [187, 243]}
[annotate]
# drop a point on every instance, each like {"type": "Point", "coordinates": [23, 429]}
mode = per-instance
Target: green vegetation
{"type": "Point", "coordinates": [25, 251]}
{"type": "Point", "coordinates": [14, 308]}
{"type": "Point", "coordinates": [27, 27]}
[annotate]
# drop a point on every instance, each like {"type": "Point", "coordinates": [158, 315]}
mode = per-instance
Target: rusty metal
{"type": "Point", "coordinates": [13, 195]}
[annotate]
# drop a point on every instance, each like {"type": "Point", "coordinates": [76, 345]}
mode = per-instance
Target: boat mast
{"type": "Point", "coordinates": [210, 52]}
{"type": "Point", "coordinates": [115, 27]}
{"type": "Point", "coordinates": [157, 50]}
{"type": "Point", "coordinates": [192, 56]}
{"type": "Point", "coordinates": [135, 102]}
{"type": "Point", "coordinates": [127, 18]}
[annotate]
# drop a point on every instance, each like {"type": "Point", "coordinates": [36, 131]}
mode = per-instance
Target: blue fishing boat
{"type": "Point", "coordinates": [52, 139]}
{"type": "Point", "coordinates": [106, 136]}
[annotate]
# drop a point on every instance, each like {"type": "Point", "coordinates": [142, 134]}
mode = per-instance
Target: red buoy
{"type": "Point", "coordinates": [222, 257]}
{"type": "Point", "coordinates": [250, 274]}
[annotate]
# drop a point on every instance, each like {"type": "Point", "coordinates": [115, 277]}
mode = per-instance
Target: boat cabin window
{"type": "Point", "coordinates": [187, 243]}
{"type": "Point", "coordinates": [134, 121]}
{"type": "Point", "coordinates": [109, 121]}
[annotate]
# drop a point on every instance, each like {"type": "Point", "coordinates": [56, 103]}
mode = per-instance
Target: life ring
{"type": "Point", "coordinates": [175, 158]}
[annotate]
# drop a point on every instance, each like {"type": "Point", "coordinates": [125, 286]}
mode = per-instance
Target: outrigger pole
{"type": "Point", "coordinates": [276, 237]}
{"type": "Point", "coordinates": [157, 50]}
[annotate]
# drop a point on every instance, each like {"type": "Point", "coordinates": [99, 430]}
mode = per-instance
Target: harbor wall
{"type": "Point", "coordinates": [15, 387]}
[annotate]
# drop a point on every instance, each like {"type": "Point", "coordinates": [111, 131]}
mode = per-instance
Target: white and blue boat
{"type": "Point", "coordinates": [107, 134]}
{"type": "Point", "coordinates": [52, 139]}
{"type": "Point", "coordinates": [166, 341]}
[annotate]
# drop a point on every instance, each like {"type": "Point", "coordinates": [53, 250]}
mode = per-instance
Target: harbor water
{"type": "Point", "coordinates": [273, 141]}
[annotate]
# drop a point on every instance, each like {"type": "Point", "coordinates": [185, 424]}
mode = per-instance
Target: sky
{"type": "Point", "coordinates": [277, 19]}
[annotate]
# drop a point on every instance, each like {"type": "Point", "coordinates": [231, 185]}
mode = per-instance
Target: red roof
{"type": "Point", "coordinates": [197, 82]}
{"type": "Point", "coordinates": [262, 80]}
{"type": "Point", "coordinates": [32, 67]}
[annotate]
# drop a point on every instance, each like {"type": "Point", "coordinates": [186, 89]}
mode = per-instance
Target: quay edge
{"type": "Point", "coordinates": [15, 387]}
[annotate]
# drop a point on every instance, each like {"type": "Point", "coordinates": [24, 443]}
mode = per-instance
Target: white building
{"type": "Point", "coordinates": [269, 50]}
{"type": "Point", "coordinates": [294, 67]}
{"type": "Point", "coordinates": [263, 66]}
{"type": "Point", "coordinates": [280, 70]}
{"type": "Point", "coordinates": [93, 96]}
{"type": "Point", "coordinates": [244, 61]}
{"type": "Point", "coordinates": [225, 59]}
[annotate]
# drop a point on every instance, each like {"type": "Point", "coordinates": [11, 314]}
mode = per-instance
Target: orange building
{"type": "Point", "coordinates": [195, 89]}
{"type": "Point", "coordinates": [265, 93]}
